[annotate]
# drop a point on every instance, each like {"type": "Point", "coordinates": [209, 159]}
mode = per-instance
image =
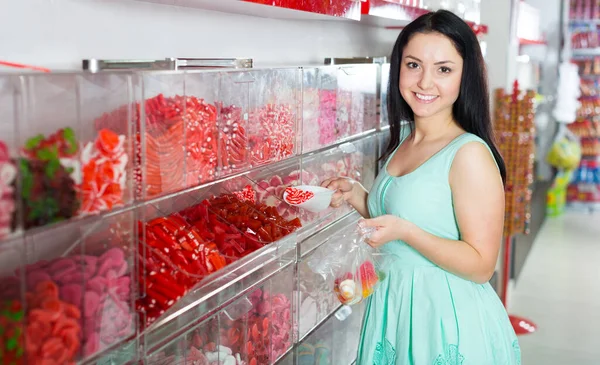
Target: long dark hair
{"type": "Point", "coordinates": [472, 108]}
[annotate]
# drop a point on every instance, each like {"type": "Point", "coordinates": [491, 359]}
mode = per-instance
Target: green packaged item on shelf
{"type": "Point", "coordinates": [322, 354]}
{"type": "Point", "coordinates": [565, 152]}
{"type": "Point", "coordinates": [306, 354]}
{"type": "Point", "coordinates": [556, 198]}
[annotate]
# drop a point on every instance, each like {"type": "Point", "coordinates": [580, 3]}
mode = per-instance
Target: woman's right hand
{"type": "Point", "coordinates": [343, 187]}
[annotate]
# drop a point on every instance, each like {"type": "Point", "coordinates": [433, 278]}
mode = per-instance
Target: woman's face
{"type": "Point", "coordinates": [430, 74]}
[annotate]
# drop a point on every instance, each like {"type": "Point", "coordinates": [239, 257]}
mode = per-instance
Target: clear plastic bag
{"type": "Point", "coordinates": [349, 264]}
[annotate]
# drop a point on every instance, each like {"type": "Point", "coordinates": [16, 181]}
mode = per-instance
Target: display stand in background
{"type": "Point", "coordinates": [515, 134]}
{"type": "Point", "coordinates": [584, 34]}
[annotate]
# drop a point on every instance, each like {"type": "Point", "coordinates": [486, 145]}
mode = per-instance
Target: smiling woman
{"type": "Point", "coordinates": [438, 208]}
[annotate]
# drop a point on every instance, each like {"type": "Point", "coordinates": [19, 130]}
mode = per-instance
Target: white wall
{"type": "Point", "coordinates": [60, 33]}
{"type": "Point", "coordinates": [501, 48]}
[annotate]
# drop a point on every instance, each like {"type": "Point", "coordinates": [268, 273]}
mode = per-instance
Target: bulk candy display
{"type": "Point", "coordinates": [175, 244]}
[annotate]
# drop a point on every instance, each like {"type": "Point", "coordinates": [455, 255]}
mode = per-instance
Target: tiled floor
{"type": "Point", "coordinates": [559, 290]}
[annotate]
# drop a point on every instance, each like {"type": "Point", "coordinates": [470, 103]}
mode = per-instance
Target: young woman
{"type": "Point", "coordinates": [438, 206]}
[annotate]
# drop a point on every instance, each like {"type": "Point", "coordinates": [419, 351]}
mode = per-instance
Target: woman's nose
{"type": "Point", "coordinates": [426, 81]}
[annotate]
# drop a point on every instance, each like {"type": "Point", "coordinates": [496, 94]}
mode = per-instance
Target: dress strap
{"type": "Point", "coordinates": [457, 144]}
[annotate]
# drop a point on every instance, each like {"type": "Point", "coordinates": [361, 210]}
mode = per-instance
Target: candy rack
{"type": "Point", "coordinates": [143, 214]}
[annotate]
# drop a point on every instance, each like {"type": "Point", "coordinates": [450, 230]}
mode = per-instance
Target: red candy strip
{"type": "Point", "coordinates": [297, 196]}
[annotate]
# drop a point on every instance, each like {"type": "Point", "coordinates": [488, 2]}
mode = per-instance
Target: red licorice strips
{"type": "Point", "coordinates": [297, 196]}
{"type": "Point", "coordinates": [183, 248]}
{"type": "Point", "coordinates": [177, 257]}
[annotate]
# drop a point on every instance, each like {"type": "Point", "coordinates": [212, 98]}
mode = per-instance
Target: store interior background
{"type": "Point", "coordinates": [58, 34]}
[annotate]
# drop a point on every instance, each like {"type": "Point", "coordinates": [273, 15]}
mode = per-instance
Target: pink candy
{"type": "Point", "coordinates": [99, 287]}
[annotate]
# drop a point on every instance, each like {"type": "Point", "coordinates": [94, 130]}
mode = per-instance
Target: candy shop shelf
{"type": "Point", "coordinates": [272, 10]}
{"type": "Point", "coordinates": [382, 13]}
{"type": "Point", "coordinates": [586, 52]}
{"type": "Point", "coordinates": [584, 22]}
{"type": "Point", "coordinates": [255, 328]}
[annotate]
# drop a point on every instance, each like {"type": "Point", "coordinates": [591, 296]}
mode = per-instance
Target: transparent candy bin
{"type": "Point", "coordinates": [335, 341]}
{"type": "Point", "coordinates": [259, 119]}
{"type": "Point", "coordinates": [73, 161]}
{"type": "Point", "coordinates": [178, 131]}
{"type": "Point", "coordinates": [218, 274]}
{"type": "Point", "coordinates": [271, 182]}
{"type": "Point", "coordinates": [356, 160]}
{"type": "Point", "coordinates": [77, 287]}
{"type": "Point", "coordinates": [9, 222]}
{"type": "Point", "coordinates": [338, 102]}
{"type": "Point", "coordinates": [256, 328]}
{"type": "Point", "coordinates": [315, 297]}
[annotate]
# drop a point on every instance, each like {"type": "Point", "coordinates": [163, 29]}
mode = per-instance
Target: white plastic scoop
{"type": "Point", "coordinates": [318, 203]}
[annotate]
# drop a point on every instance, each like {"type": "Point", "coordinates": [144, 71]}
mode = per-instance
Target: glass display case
{"type": "Point", "coordinates": [70, 163]}
{"type": "Point", "coordinates": [258, 121]}
{"type": "Point", "coordinates": [177, 132]}
{"type": "Point", "coordinates": [335, 341]}
{"type": "Point", "coordinates": [77, 289]}
{"type": "Point", "coordinates": [315, 297]}
{"type": "Point", "coordinates": [338, 102]}
{"type": "Point", "coordinates": [255, 329]}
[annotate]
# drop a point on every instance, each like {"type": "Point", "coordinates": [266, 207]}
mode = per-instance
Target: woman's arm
{"type": "Point", "coordinates": [358, 199]}
{"type": "Point", "coordinates": [478, 197]}
{"type": "Point", "coordinates": [350, 191]}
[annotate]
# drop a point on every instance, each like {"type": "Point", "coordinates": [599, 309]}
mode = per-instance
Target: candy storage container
{"type": "Point", "coordinates": [265, 129]}
{"type": "Point", "coordinates": [69, 163]}
{"type": "Point", "coordinates": [9, 221]}
{"type": "Point", "coordinates": [78, 285]}
{"type": "Point", "coordinates": [319, 107]}
{"type": "Point", "coordinates": [346, 103]}
{"type": "Point", "coordinates": [357, 94]}
{"type": "Point", "coordinates": [178, 133]}
{"type": "Point", "coordinates": [315, 299]}
{"type": "Point", "coordinates": [335, 341]}
{"type": "Point", "coordinates": [255, 329]}
{"type": "Point", "coordinates": [202, 248]}
{"type": "Point", "coordinates": [201, 137]}
{"type": "Point", "coordinates": [356, 160]}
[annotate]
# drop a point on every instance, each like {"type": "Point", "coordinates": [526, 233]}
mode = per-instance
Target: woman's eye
{"type": "Point", "coordinates": [445, 70]}
{"type": "Point", "coordinates": [412, 65]}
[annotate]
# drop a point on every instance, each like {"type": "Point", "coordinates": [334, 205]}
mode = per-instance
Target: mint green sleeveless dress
{"type": "Point", "coordinates": [422, 314]}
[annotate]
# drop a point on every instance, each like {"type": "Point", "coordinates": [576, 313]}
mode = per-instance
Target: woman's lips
{"type": "Point", "coordinates": [426, 99]}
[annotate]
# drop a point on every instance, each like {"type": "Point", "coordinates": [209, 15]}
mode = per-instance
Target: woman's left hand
{"type": "Point", "coordinates": [388, 228]}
